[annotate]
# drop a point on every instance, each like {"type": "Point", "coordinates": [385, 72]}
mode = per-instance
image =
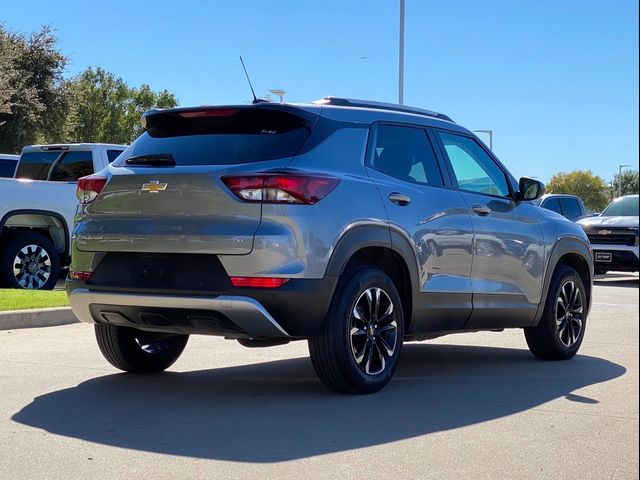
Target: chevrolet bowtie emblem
{"type": "Point", "coordinates": [154, 187]}
{"type": "Point", "coordinates": [604, 232]}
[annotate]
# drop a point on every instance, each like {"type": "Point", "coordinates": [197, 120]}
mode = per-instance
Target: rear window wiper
{"type": "Point", "coordinates": [152, 160]}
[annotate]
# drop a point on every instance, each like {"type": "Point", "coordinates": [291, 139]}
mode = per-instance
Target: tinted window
{"type": "Point", "coordinates": [474, 170]}
{"type": "Point", "coordinates": [72, 166]}
{"type": "Point", "coordinates": [36, 165]}
{"type": "Point", "coordinates": [553, 205]}
{"type": "Point", "coordinates": [406, 153]}
{"type": "Point", "coordinates": [622, 207]}
{"type": "Point", "coordinates": [237, 136]}
{"type": "Point", "coordinates": [571, 208]}
{"type": "Point", "coordinates": [7, 168]}
{"type": "Point", "coordinates": [113, 154]}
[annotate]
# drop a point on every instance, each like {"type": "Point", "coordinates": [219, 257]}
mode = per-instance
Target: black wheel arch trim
{"type": "Point", "coordinates": [366, 236]}
{"type": "Point", "coordinates": [373, 235]}
{"type": "Point", "coordinates": [566, 246]}
{"type": "Point", "coordinates": [67, 239]}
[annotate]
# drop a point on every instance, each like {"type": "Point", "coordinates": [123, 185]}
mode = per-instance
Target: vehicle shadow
{"type": "Point", "coordinates": [278, 411]}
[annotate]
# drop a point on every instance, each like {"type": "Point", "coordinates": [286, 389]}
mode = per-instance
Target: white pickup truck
{"type": "Point", "coordinates": [37, 210]}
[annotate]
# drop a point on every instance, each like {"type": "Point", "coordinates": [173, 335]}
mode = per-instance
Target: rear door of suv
{"type": "Point", "coordinates": [508, 249]}
{"type": "Point", "coordinates": [421, 204]}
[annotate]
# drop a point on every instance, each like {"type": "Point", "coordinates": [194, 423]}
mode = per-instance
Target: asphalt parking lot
{"type": "Point", "coordinates": [464, 406]}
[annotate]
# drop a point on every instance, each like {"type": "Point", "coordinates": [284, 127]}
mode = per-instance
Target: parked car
{"type": "Point", "coordinates": [569, 206]}
{"type": "Point", "coordinates": [37, 210]}
{"type": "Point", "coordinates": [354, 225]}
{"type": "Point", "coordinates": [8, 164]}
{"type": "Point", "coordinates": [614, 236]}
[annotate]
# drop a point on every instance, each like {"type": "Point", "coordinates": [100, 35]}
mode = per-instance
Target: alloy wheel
{"type": "Point", "coordinates": [373, 330]}
{"type": "Point", "coordinates": [569, 311]}
{"type": "Point", "coordinates": [32, 267]}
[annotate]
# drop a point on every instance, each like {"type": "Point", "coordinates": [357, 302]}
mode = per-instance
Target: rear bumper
{"type": "Point", "coordinates": [295, 310]}
{"type": "Point", "coordinates": [187, 314]}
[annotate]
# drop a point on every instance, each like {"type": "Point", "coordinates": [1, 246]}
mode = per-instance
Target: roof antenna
{"type": "Point", "coordinates": [255, 99]}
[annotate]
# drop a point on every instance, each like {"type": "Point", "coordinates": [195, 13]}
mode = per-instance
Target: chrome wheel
{"type": "Point", "coordinates": [569, 311]}
{"type": "Point", "coordinates": [373, 330]}
{"type": "Point", "coordinates": [32, 267]}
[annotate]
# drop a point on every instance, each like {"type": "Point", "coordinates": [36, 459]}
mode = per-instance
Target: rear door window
{"type": "Point", "coordinates": [406, 153]}
{"type": "Point", "coordinates": [36, 165]}
{"type": "Point", "coordinates": [225, 137]}
{"type": "Point", "coordinates": [71, 166]}
{"type": "Point", "coordinates": [553, 205]}
{"type": "Point", "coordinates": [7, 168]}
{"type": "Point", "coordinates": [571, 208]}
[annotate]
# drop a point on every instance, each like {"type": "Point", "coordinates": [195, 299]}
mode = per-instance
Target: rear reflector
{"type": "Point", "coordinates": [281, 188]}
{"type": "Point", "coordinates": [81, 276]}
{"type": "Point", "coordinates": [258, 282]}
{"type": "Point", "coordinates": [89, 187]}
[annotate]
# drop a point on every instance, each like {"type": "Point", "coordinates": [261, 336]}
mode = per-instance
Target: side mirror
{"type": "Point", "coordinates": [530, 189]}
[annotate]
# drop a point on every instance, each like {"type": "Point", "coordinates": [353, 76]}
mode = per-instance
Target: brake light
{"type": "Point", "coordinates": [258, 282]}
{"type": "Point", "coordinates": [89, 187]}
{"type": "Point", "coordinates": [281, 188]}
{"type": "Point", "coordinates": [212, 112]}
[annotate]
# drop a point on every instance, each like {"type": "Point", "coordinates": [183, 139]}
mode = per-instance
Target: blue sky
{"type": "Point", "coordinates": [557, 81]}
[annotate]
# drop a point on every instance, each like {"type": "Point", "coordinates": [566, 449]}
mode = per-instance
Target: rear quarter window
{"type": "Point", "coordinates": [7, 168]}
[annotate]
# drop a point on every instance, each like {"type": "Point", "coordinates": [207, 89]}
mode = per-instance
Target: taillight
{"type": "Point", "coordinates": [281, 188]}
{"type": "Point", "coordinates": [81, 276]}
{"type": "Point", "coordinates": [258, 282]}
{"type": "Point", "coordinates": [89, 187]}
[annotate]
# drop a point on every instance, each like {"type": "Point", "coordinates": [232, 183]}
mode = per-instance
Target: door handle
{"type": "Point", "coordinates": [481, 210]}
{"type": "Point", "coordinates": [399, 199]}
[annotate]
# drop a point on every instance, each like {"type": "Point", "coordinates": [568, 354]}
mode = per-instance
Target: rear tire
{"type": "Point", "coordinates": [560, 332]}
{"type": "Point", "coordinates": [29, 260]}
{"type": "Point", "coordinates": [137, 351]}
{"type": "Point", "coordinates": [358, 347]}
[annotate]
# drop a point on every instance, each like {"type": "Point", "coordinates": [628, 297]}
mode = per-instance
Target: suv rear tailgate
{"type": "Point", "coordinates": [183, 206]}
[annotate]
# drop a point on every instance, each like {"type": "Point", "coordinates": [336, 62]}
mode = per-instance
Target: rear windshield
{"type": "Point", "coordinates": [234, 136]}
{"type": "Point", "coordinates": [624, 207]}
{"type": "Point", "coordinates": [36, 165]}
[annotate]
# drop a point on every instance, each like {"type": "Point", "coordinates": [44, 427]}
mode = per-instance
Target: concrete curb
{"type": "Point", "coordinates": [38, 317]}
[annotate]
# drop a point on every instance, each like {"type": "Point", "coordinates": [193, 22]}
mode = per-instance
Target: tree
{"type": "Point", "coordinates": [33, 102]}
{"type": "Point", "coordinates": [629, 180]}
{"type": "Point", "coordinates": [583, 183]}
{"type": "Point", "coordinates": [105, 109]}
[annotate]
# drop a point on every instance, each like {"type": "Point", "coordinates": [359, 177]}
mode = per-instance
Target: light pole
{"type": "Point", "coordinates": [401, 57]}
{"type": "Point", "coordinates": [620, 178]}
{"type": "Point", "coordinates": [279, 93]}
{"type": "Point", "coordinates": [490, 133]}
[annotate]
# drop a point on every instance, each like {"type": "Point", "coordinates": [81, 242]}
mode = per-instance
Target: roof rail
{"type": "Point", "coordinates": [352, 102]}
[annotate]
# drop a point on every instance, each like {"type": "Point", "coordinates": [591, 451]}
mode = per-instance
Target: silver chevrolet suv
{"type": "Point", "coordinates": [354, 225]}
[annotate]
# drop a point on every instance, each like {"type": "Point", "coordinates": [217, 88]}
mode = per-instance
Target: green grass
{"type": "Point", "coordinates": [13, 299]}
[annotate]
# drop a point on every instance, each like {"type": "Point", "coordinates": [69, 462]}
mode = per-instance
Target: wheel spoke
{"type": "Point", "coordinates": [360, 356]}
{"type": "Point", "coordinates": [386, 346]}
{"type": "Point", "coordinates": [367, 367]}
{"type": "Point", "coordinates": [370, 304]}
{"type": "Point", "coordinates": [383, 363]}
{"type": "Point", "coordinates": [357, 331]}
{"type": "Point", "coordinates": [377, 306]}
